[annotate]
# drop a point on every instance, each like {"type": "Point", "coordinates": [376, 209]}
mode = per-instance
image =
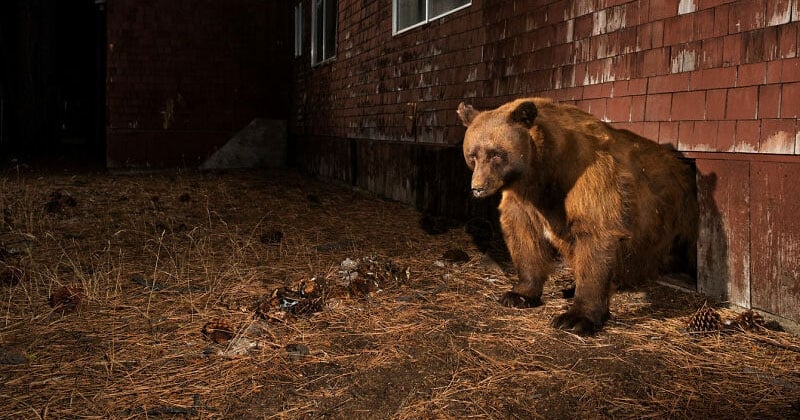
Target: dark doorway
{"type": "Point", "coordinates": [52, 80]}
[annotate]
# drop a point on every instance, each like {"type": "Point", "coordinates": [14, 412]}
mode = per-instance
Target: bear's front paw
{"type": "Point", "coordinates": [515, 300]}
{"type": "Point", "coordinates": [579, 323]}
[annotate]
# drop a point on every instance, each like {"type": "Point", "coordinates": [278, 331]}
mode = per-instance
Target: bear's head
{"type": "Point", "coordinates": [498, 146]}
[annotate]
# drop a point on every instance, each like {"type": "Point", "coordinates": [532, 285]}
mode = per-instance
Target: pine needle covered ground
{"type": "Point", "coordinates": [270, 295]}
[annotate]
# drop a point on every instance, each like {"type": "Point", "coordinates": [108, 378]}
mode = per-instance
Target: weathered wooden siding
{"type": "Point", "coordinates": [723, 271]}
{"type": "Point", "coordinates": [749, 248]}
{"type": "Point", "coordinates": [432, 178]}
{"type": "Point", "coordinates": [324, 157]}
{"type": "Point", "coordinates": [775, 228]}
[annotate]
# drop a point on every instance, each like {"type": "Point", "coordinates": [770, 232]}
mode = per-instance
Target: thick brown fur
{"type": "Point", "coordinates": [617, 207]}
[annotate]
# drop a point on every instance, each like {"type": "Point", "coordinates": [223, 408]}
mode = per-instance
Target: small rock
{"type": "Point", "coordinates": [239, 347]}
{"type": "Point", "coordinates": [12, 357]}
{"type": "Point", "coordinates": [455, 256]}
{"type": "Point", "coordinates": [490, 264]}
{"type": "Point", "coordinates": [773, 325]}
{"type": "Point", "coordinates": [296, 351]}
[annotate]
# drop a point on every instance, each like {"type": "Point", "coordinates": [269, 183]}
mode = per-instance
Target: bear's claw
{"type": "Point", "coordinates": [578, 323]}
{"type": "Point", "coordinates": [515, 300]}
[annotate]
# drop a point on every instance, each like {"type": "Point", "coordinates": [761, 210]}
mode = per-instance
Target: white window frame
{"type": "Point", "coordinates": [318, 52]}
{"type": "Point", "coordinates": [298, 30]}
{"type": "Point", "coordinates": [424, 21]}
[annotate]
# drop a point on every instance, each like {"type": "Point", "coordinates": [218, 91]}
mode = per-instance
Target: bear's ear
{"type": "Point", "coordinates": [467, 113]}
{"type": "Point", "coordinates": [524, 114]}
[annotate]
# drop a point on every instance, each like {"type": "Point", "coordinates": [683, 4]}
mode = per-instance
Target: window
{"type": "Point", "coordinates": [298, 30]}
{"type": "Point", "coordinates": [412, 13]}
{"type": "Point", "coordinates": [323, 30]}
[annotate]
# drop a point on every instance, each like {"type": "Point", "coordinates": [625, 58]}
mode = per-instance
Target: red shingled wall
{"type": "Point", "coordinates": [719, 80]}
{"type": "Point", "coordinates": [184, 76]}
{"type": "Point", "coordinates": [702, 75]}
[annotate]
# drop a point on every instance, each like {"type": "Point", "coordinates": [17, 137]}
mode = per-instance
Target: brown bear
{"type": "Point", "coordinates": [617, 207]}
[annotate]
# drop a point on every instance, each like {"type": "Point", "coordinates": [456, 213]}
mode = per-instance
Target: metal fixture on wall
{"type": "Point", "coordinates": [411, 120]}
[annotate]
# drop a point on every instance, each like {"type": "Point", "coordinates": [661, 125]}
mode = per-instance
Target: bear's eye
{"type": "Point", "coordinates": [471, 158]}
{"type": "Point", "coordinates": [495, 155]}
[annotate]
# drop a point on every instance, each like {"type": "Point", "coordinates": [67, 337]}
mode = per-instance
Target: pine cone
{"type": "Point", "coordinates": [362, 286]}
{"type": "Point", "coordinates": [750, 320]}
{"type": "Point", "coordinates": [307, 289]}
{"type": "Point", "coordinates": [278, 306]}
{"type": "Point", "coordinates": [218, 330]}
{"type": "Point", "coordinates": [304, 297]}
{"type": "Point", "coordinates": [706, 319]}
{"type": "Point", "coordinates": [272, 306]}
{"type": "Point", "coordinates": [382, 272]}
{"type": "Point", "coordinates": [308, 306]}
{"type": "Point", "coordinates": [66, 299]}
{"type": "Point", "coordinates": [309, 295]}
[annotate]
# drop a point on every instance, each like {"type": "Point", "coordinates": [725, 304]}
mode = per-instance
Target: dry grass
{"type": "Point", "coordinates": [155, 257]}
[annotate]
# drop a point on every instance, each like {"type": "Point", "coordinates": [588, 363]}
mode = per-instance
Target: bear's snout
{"type": "Point", "coordinates": [481, 192]}
{"type": "Point", "coordinates": [478, 192]}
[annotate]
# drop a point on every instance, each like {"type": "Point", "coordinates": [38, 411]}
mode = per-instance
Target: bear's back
{"type": "Point", "coordinates": [568, 123]}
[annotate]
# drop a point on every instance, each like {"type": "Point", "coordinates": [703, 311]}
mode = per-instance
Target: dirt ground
{"type": "Point", "coordinates": [270, 295]}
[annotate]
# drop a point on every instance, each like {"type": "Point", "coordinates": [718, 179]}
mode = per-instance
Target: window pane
{"type": "Point", "coordinates": [439, 7]}
{"type": "Point", "coordinates": [409, 13]}
{"type": "Point", "coordinates": [318, 32]}
{"type": "Point", "coordinates": [298, 30]}
{"type": "Point", "coordinates": [330, 29]}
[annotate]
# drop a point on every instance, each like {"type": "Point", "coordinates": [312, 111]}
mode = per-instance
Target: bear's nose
{"type": "Point", "coordinates": [478, 191]}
